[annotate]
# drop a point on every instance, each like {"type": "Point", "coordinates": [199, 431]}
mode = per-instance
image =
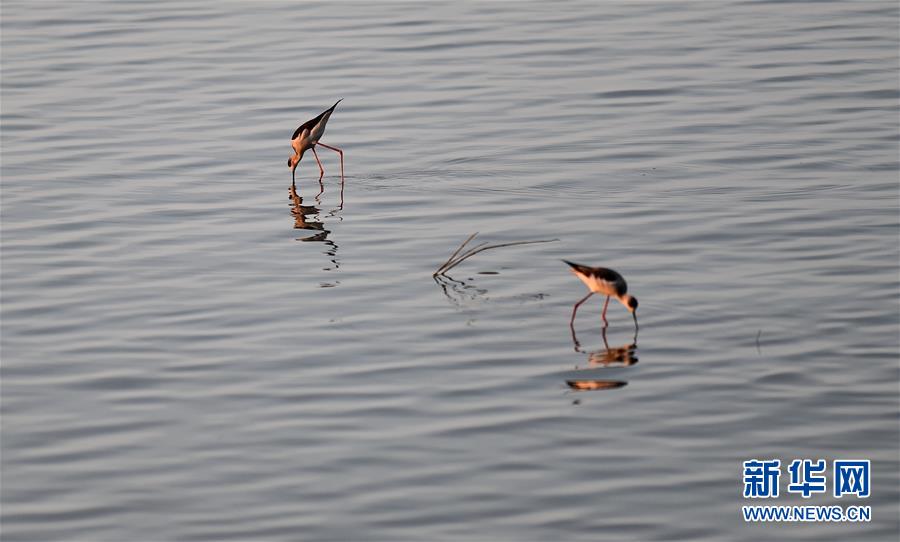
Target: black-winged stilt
{"type": "Point", "coordinates": [307, 137]}
{"type": "Point", "coordinates": [601, 280]}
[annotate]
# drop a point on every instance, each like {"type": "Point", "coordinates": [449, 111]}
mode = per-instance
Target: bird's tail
{"type": "Point", "coordinates": [576, 266]}
{"type": "Point", "coordinates": [583, 269]}
{"type": "Point", "coordinates": [335, 104]}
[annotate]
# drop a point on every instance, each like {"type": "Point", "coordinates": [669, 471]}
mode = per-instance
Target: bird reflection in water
{"type": "Point", "coordinates": [308, 217]}
{"type": "Point", "coordinates": [618, 356]}
{"type": "Point", "coordinates": [607, 357]}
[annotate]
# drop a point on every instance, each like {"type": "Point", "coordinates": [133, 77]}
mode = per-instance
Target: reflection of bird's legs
{"type": "Point", "coordinates": [606, 304]}
{"type": "Point", "coordinates": [341, 206]}
{"type": "Point", "coordinates": [337, 150]}
{"type": "Point", "coordinates": [575, 341]}
{"type": "Point", "coordinates": [318, 197]}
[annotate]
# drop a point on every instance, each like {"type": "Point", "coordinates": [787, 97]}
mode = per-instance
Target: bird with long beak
{"type": "Point", "coordinates": [307, 136]}
{"type": "Point", "coordinates": [601, 280]}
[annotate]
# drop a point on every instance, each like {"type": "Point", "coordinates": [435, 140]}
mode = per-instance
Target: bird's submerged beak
{"type": "Point", "coordinates": [293, 161]}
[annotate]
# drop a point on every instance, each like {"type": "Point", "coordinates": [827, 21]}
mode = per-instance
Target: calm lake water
{"type": "Point", "coordinates": [191, 353]}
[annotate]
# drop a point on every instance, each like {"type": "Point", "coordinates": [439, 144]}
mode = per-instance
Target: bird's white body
{"type": "Point", "coordinates": [601, 280]}
{"type": "Point", "coordinates": [602, 286]}
{"type": "Point", "coordinates": [309, 136]}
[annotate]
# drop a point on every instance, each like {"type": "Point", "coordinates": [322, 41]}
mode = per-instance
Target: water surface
{"type": "Point", "coordinates": [193, 352]}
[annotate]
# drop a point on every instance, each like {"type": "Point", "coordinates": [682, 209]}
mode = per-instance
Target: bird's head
{"type": "Point", "coordinates": [631, 304]}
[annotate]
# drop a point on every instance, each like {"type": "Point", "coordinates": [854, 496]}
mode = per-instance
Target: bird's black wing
{"type": "Point", "coordinates": [308, 125]}
{"type": "Point", "coordinates": [602, 273]}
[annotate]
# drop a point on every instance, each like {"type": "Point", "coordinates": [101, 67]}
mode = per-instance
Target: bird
{"type": "Point", "coordinates": [601, 280]}
{"type": "Point", "coordinates": [307, 137]}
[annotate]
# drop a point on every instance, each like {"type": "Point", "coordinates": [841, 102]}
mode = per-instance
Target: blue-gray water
{"type": "Point", "coordinates": [179, 362]}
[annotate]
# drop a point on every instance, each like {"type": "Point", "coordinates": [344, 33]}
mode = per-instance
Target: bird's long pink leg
{"type": "Point", "coordinates": [605, 322]}
{"type": "Point", "coordinates": [337, 150]}
{"type": "Point", "coordinates": [572, 321]}
{"type": "Point", "coordinates": [575, 308]}
{"type": "Point", "coordinates": [321, 169]}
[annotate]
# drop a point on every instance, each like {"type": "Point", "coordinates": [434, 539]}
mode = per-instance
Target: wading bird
{"type": "Point", "coordinates": [307, 137]}
{"type": "Point", "coordinates": [601, 280]}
